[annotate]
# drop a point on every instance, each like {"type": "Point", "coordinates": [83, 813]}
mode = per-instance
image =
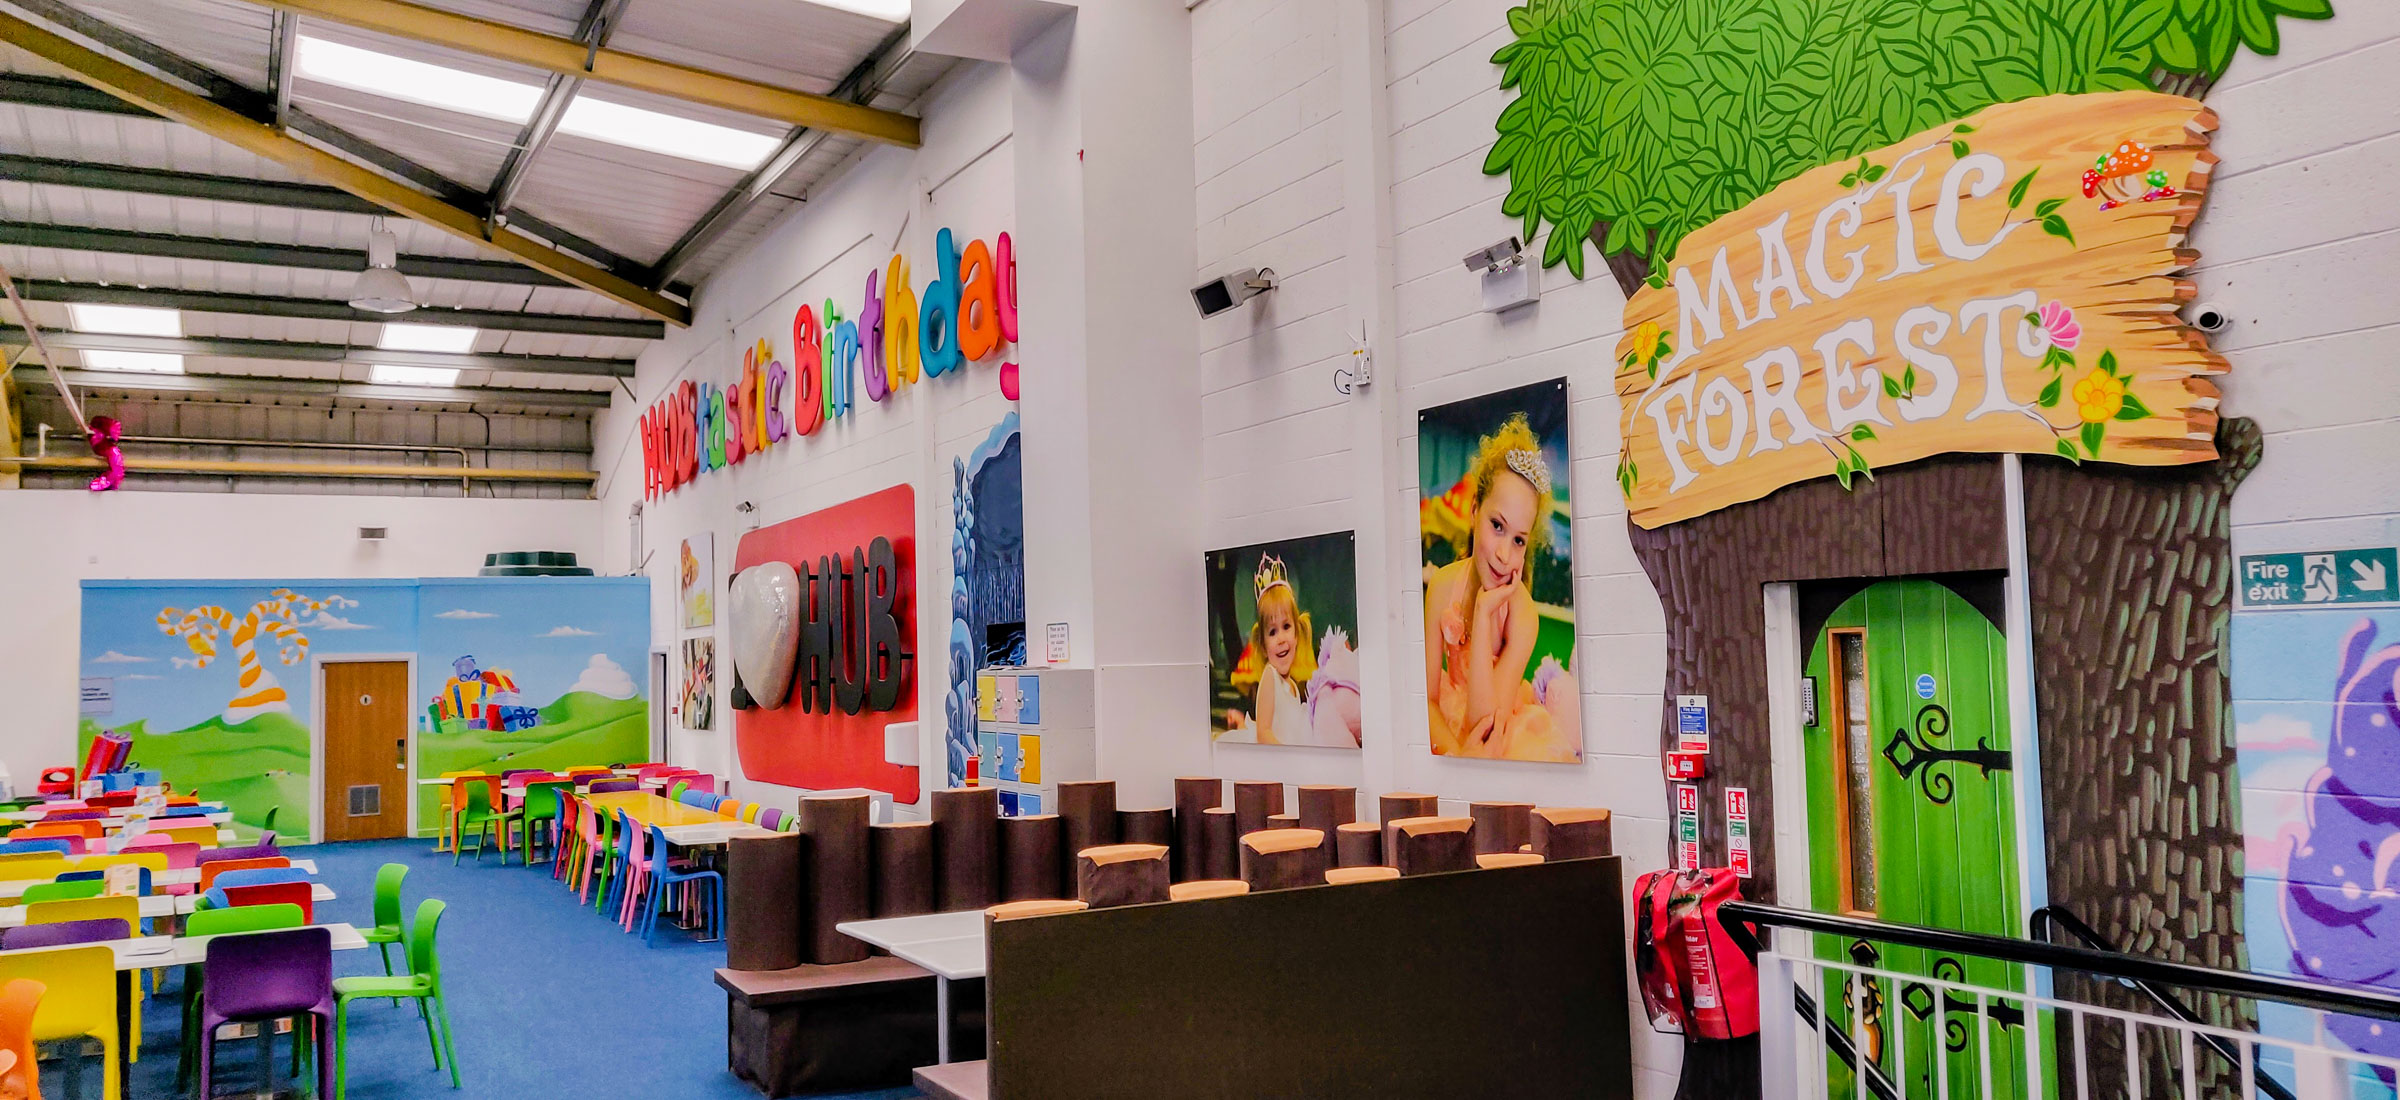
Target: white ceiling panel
{"type": "Point", "coordinates": [230, 37]}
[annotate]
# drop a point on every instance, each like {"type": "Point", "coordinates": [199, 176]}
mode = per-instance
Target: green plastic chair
{"type": "Point", "coordinates": [484, 819]}
{"type": "Point", "coordinates": [423, 983]}
{"type": "Point", "coordinates": [675, 791]}
{"type": "Point", "coordinates": [540, 805]}
{"type": "Point", "coordinates": [388, 929]}
{"type": "Point", "coordinates": [63, 891]}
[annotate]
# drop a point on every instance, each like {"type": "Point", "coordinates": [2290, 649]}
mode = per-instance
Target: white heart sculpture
{"type": "Point", "coordinates": [765, 610]}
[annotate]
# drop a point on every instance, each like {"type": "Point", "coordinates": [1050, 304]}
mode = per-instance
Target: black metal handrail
{"type": "Point", "coordinates": [2057, 916]}
{"type": "Point", "coordinates": [2106, 964]}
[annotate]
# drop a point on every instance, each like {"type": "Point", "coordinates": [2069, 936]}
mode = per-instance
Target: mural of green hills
{"type": "Point", "coordinates": [578, 728]}
{"type": "Point", "coordinates": [253, 766]}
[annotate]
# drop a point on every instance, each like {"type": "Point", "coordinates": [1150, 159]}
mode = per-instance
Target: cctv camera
{"type": "Point", "coordinates": [1218, 295]}
{"type": "Point", "coordinates": [2211, 317]}
{"type": "Point", "coordinates": [1490, 257]}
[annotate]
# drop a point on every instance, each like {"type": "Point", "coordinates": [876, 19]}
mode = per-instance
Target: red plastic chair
{"type": "Point", "coordinates": [274, 893]}
{"type": "Point", "coordinates": [210, 871]}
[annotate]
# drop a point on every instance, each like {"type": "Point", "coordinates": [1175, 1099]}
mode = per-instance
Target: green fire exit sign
{"type": "Point", "coordinates": [2371, 575]}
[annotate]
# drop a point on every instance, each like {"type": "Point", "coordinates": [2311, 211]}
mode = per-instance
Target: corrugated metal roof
{"type": "Point", "coordinates": [636, 203]}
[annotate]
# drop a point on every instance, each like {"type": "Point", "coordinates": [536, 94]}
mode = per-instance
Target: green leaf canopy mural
{"type": "Point", "coordinates": [1637, 121]}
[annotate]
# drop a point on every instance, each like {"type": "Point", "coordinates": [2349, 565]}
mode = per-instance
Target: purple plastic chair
{"type": "Point", "coordinates": [770, 818]}
{"type": "Point", "coordinates": [76, 815]}
{"type": "Point", "coordinates": [610, 786]}
{"type": "Point", "coordinates": [64, 932]}
{"type": "Point", "coordinates": [254, 977]}
{"type": "Point", "coordinates": [264, 848]}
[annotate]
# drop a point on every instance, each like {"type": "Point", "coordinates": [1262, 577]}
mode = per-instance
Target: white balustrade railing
{"type": "Point", "coordinates": [1807, 1053]}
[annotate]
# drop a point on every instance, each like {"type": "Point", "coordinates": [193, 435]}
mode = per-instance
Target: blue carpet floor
{"type": "Point", "coordinates": [547, 998]}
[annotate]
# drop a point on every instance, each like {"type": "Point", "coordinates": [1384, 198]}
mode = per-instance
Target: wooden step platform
{"type": "Point", "coordinates": [956, 1081]}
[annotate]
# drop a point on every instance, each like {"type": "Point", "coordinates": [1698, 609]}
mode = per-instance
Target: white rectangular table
{"type": "Point", "coordinates": [161, 905]}
{"type": "Point", "coordinates": [949, 944]}
{"type": "Point", "coordinates": [116, 820]}
{"type": "Point", "coordinates": [712, 832]}
{"type": "Point", "coordinates": [172, 876]}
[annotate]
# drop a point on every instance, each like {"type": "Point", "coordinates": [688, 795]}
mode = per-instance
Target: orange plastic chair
{"type": "Point", "coordinates": [88, 830]}
{"type": "Point", "coordinates": [19, 1000]}
{"type": "Point", "coordinates": [458, 799]}
{"type": "Point", "coordinates": [210, 871]}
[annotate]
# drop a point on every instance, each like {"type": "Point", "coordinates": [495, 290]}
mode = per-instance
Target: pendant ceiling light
{"type": "Point", "coordinates": [381, 288]}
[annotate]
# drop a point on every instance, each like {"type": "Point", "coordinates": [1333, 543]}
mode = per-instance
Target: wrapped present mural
{"type": "Point", "coordinates": [215, 682]}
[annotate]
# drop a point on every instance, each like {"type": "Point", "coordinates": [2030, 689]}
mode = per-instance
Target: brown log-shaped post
{"type": "Point", "coordinates": [1399, 804]}
{"type": "Point", "coordinates": [1217, 858]}
{"type": "Point", "coordinates": [1491, 860]}
{"type": "Point", "coordinates": [1154, 826]}
{"type": "Point", "coordinates": [1087, 817]}
{"type": "Point", "coordinates": [1193, 796]}
{"type": "Point", "coordinates": [1121, 874]}
{"type": "Point", "coordinates": [1326, 808]}
{"type": "Point", "coordinates": [1029, 847]}
{"type": "Point", "coordinates": [1358, 844]}
{"type": "Point", "coordinates": [762, 903]}
{"type": "Point", "coordinates": [1344, 876]}
{"type": "Point", "coordinates": [1570, 832]}
{"type": "Point", "coordinates": [840, 872]}
{"type": "Point", "coordinates": [1426, 845]}
{"type": "Point", "coordinates": [1200, 889]}
{"type": "Point", "coordinates": [1254, 801]}
{"type": "Point", "coordinates": [1501, 826]}
{"type": "Point", "coordinates": [903, 868]}
{"type": "Point", "coordinates": [966, 847]}
{"type": "Point", "coordinates": [1281, 859]}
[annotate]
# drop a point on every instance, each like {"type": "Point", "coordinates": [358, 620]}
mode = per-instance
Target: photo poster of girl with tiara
{"type": "Point", "coordinates": [1282, 645]}
{"type": "Point", "coordinates": [1499, 576]}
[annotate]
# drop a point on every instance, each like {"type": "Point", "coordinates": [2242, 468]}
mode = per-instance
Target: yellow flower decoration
{"type": "Point", "coordinates": [2099, 395]}
{"type": "Point", "coordinates": [1645, 341]}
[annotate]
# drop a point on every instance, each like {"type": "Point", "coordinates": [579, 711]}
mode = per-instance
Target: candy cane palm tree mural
{"type": "Point", "coordinates": [279, 617]}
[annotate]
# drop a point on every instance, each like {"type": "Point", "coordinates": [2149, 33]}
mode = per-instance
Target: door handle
{"type": "Point", "coordinates": [400, 753]}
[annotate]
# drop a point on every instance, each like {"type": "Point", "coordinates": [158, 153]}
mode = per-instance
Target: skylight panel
{"type": "Point", "coordinates": [416, 81]}
{"type": "Point", "coordinates": [125, 320]}
{"type": "Point", "coordinates": [408, 336]}
{"type": "Point", "coordinates": [137, 362]}
{"type": "Point", "coordinates": [384, 374]}
{"type": "Point", "coordinates": [674, 136]}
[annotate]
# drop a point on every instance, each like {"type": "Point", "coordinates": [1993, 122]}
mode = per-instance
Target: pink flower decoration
{"type": "Point", "coordinates": [2059, 322]}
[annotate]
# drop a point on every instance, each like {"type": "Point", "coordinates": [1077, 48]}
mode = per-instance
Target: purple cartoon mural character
{"type": "Point", "coordinates": [2341, 900]}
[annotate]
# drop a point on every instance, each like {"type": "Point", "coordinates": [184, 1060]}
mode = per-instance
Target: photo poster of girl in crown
{"type": "Point", "coordinates": [1499, 573]}
{"type": "Point", "coordinates": [1282, 645]}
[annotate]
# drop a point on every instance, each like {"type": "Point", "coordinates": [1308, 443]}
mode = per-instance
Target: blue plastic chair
{"type": "Point", "coordinates": [12, 847]}
{"type": "Point", "coordinates": [259, 876]}
{"type": "Point", "coordinates": [186, 811]}
{"type": "Point", "coordinates": [663, 875]}
{"type": "Point", "coordinates": [624, 853]}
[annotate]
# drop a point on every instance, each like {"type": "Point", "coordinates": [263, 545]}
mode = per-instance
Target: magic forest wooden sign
{"type": "Point", "coordinates": [2007, 282]}
{"type": "Point", "coordinates": [1852, 233]}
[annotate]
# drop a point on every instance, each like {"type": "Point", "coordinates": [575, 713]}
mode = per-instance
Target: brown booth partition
{"type": "Point", "coordinates": [1522, 970]}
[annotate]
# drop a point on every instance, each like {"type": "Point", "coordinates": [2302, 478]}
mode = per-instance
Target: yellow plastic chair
{"type": "Point", "coordinates": [33, 870]}
{"type": "Point", "coordinates": [79, 1001]}
{"type": "Point", "coordinates": [20, 857]}
{"type": "Point", "coordinates": [128, 910]}
{"type": "Point", "coordinates": [22, 1078]}
{"type": "Point", "coordinates": [448, 802]}
{"type": "Point", "coordinates": [155, 861]}
{"type": "Point", "coordinates": [750, 811]}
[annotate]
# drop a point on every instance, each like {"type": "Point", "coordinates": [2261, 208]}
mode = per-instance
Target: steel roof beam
{"type": "Point", "coordinates": [81, 239]}
{"type": "Point", "coordinates": [598, 23]}
{"type": "Point", "coordinates": [65, 95]}
{"type": "Point", "coordinates": [566, 56]}
{"type": "Point", "coordinates": [859, 84]}
{"type": "Point", "coordinates": [222, 122]}
{"type": "Point", "coordinates": [287, 351]}
{"type": "Point", "coordinates": [233, 385]}
{"type": "Point", "coordinates": [187, 185]}
{"type": "Point", "coordinates": [324, 309]}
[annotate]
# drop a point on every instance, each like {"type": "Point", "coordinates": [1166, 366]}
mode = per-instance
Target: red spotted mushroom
{"type": "Point", "coordinates": [2115, 176]}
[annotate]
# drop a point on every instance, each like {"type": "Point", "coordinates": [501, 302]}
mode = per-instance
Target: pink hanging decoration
{"type": "Point", "coordinates": [105, 432]}
{"type": "Point", "coordinates": [1008, 381]}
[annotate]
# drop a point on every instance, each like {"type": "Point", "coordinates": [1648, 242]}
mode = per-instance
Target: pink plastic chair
{"type": "Point", "coordinates": [701, 781]}
{"type": "Point", "coordinates": [637, 868]}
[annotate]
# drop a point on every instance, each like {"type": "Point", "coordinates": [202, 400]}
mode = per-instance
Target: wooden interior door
{"type": "Point", "coordinates": [366, 750]}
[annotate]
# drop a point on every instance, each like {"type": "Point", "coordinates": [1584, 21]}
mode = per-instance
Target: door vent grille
{"type": "Point", "coordinates": [366, 800]}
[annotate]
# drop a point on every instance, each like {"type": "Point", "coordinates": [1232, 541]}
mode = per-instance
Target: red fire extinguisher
{"type": "Point", "coordinates": [1694, 978]}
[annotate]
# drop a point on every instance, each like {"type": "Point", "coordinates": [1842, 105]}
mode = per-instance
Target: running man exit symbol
{"type": "Point", "coordinates": [2319, 585]}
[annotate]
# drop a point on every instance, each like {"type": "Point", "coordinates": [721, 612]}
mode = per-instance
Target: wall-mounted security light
{"type": "Point", "coordinates": [1508, 281]}
{"type": "Point", "coordinates": [1218, 295]}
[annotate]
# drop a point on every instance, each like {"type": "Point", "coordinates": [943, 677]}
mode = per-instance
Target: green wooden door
{"type": "Point", "coordinates": [1912, 820]}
